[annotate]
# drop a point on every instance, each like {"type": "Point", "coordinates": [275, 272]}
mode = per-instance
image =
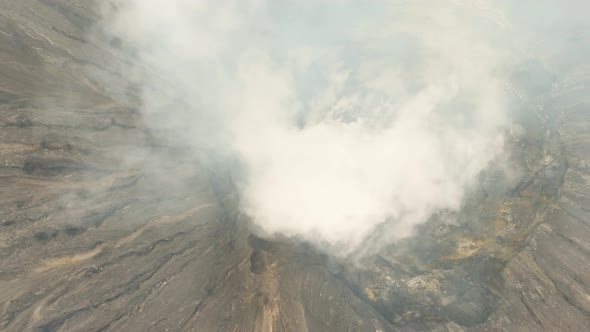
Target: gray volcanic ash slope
{"type": "Point", "coordinates": [114, 217]}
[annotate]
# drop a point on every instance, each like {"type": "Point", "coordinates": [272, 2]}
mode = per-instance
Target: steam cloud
{"type": "Point", "coordinates": [343, 114]}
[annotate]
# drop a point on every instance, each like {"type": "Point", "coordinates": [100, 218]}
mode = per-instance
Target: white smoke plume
{"type": "Point", "coordinates": [343, 114]}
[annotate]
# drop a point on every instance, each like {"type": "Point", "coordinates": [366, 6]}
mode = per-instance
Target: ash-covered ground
{"type": "Point", "coordinates": [91, 239]}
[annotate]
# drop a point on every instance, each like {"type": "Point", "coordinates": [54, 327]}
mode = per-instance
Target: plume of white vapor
{"type": "Point", "coordinates": [343, 114]}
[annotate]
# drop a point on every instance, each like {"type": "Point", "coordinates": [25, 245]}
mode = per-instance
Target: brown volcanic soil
{"type": "Point", "coordinates": [92, 240]}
